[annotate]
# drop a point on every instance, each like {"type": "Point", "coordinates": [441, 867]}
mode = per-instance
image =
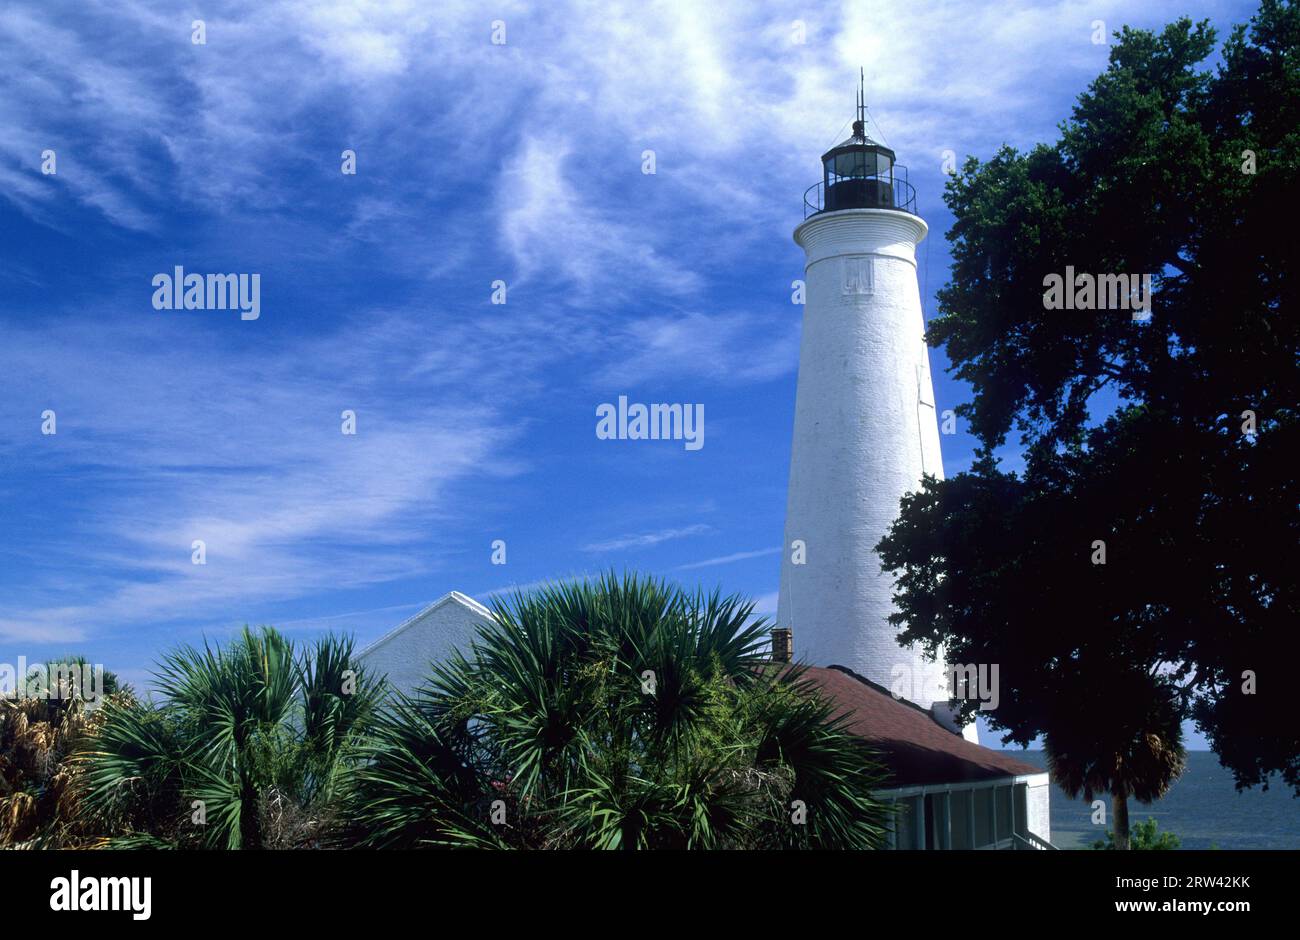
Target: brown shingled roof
{"type": "Point", "coordinates": [914, 747]}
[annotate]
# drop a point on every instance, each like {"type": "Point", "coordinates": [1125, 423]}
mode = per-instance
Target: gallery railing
{"type": "Point", "coordinates": [860, 192]}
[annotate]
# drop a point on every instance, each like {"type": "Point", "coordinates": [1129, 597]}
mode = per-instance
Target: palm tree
{"type": "Point", "coordinates": [619, 713]}
{"type": "Point", "coordinates": [1118, 732]}
{"type": "Point", "coordinates": [249, 747]}
{"type": "Point", "coordinates": [40, 781]}
{"type": "Point", "coordinates": [73, 678]}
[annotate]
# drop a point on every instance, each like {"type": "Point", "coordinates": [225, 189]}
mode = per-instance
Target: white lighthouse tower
{"type": "Point", "coordinates": [865, 428]}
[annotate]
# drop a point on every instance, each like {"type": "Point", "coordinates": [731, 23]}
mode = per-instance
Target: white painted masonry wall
{"type": "Point", "coordinates": [1038, 806]}
{"type": "Point", "coordinates": [405, 652]}
{"type": "Point", "coordinates": [865, 430]}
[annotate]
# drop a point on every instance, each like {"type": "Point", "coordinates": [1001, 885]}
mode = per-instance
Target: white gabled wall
{"type": "Point", "coordinates": [405, 653]}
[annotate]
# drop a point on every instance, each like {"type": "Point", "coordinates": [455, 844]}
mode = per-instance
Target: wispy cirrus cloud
{"type": "Point", "coordinates": [647, 539]}
{"type": "Point", "coordinates": [550, 225]}
{"type": "Point", "coordinates": [548, 128]}
{"type": "Point", "coordinates": [174, 444]}
{"type": "Point", "coordinates": [510, 590]}
{"type": "Point", "coordinates": [727, 348]}
{"type": "Point", "coordinates": [728, 559]}
{"type": "Point", "coordinates": [476, 162]}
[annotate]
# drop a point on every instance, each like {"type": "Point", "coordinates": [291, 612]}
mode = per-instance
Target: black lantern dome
{"type": "Point", "coordinates": [859, 173]}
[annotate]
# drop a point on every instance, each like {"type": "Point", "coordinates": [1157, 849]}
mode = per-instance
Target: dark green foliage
{"type": "Point", "coordinates": [1133, 751]}
{"type": "Point", "coordinates": [556, 719]}
{"type": "Point", "coordinates": [262, 736]}
{"type": "Point", "coordinates": [67, 678]}
{"type": "Point", "coordinates": [1132, 432]}
{"type": "Point", "coordinates": [1146, 837]}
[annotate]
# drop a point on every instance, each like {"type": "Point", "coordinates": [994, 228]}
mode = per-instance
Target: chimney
{"type": "Point", "coordinates": [782, 645]}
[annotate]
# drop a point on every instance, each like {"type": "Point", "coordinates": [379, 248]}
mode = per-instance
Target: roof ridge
{"type": "Point", "coordinates": [463, 600]}
{"type": "Point", "coordinates": [916, 752]}
{"type": "Point", "coordinates": [884, 691]}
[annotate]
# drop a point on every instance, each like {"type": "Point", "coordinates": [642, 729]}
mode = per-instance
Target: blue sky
{"type": "Point", "coordinates": [476, 162]}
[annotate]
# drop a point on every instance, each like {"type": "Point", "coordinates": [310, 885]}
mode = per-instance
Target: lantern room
{"type": "Point", "coordinates": [859, 173]}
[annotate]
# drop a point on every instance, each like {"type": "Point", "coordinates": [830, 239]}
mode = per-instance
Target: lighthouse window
{"type": "Point", "coordinates": [853, 163]}
{"type": "Point", "coordinates": [858, 164]}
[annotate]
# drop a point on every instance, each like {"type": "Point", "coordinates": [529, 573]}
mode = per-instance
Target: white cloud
{"type": "Point", "coordinates": [463, 148]}
{"type": "Point", "coordinates": [731, 349]}
{"type": "Point", "coordinates": [735, 111]}
{"type": "Point", "coordinates": [728, 559]}
{"type": "Point", "coordinates": [550, 225]}
{"type": "Point", "coordinates": [179, 440]}
{"type": "Point", "coordinates": [510, 590]}
{"type": "Point", "coordinates": [647, 539]}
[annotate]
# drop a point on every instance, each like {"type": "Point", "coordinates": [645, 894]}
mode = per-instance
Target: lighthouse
{"type": "Point", "coordinates": [865, 428]}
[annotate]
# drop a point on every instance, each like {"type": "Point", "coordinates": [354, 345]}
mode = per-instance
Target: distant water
{"type": "Point", "coordinates": [1202, 809]}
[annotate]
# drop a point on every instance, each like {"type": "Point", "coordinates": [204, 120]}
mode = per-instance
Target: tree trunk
{"type": "Point", "coordinates": [250, 822]}
{"type": "Point", "coordinates": [1119, 814]}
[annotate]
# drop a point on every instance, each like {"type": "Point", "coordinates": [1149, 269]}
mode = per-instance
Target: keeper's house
{"type": "Point", "coordinates": [951, 793]}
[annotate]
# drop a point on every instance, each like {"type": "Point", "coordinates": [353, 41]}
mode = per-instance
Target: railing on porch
{"type": "Point", "coordinates": [1032, 842]}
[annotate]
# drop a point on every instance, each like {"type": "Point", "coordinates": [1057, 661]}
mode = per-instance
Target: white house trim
{"type": "Point", "coordinates": [1033, 780]}
{"type": "Point", "coordinates": [1030, 827]}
